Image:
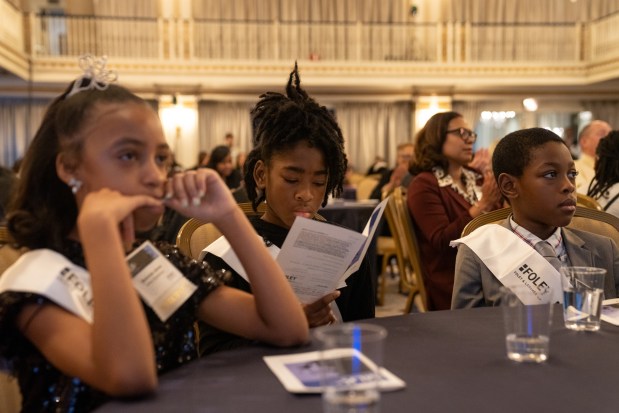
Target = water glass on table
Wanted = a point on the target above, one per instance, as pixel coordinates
(527, 326)
(583, 293)
(351, 357)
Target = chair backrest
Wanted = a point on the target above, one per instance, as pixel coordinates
(585, 219)
(491, 217)
(403, 228)
(195, 235)
(249, 210)
(366, 186)
(598, 222)
(10, 396)
(587, 201)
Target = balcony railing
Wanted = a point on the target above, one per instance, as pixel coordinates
(172, 39)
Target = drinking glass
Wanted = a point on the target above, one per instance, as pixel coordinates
(527, 327)
(351, 356)
(583, 293)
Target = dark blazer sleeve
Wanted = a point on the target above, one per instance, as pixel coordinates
(474, 284)
(588, 249)
(467, 292)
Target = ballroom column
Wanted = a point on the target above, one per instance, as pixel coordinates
(179, 117)
(426, 106)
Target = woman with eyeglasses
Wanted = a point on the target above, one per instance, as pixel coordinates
(444, 196)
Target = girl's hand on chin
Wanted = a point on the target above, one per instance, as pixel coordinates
(200, 194)
(109, 207)
(107, 204)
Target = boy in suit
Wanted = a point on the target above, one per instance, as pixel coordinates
(536, 174)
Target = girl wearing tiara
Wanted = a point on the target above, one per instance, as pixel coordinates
(80, 320)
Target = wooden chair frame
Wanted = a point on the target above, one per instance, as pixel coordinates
(408, 255)
(586, 219)
(587, 201)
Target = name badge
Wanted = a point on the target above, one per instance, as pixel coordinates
(160, 284)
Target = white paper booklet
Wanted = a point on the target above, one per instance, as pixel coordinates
(610, 311)
(316, 256)
(302, 373)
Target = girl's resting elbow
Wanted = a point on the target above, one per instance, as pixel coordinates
(132, 385)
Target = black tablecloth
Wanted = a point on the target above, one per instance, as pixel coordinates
(350, 214)
(452, 361)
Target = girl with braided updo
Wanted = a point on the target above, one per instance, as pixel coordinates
(298, 160)
(605, 185)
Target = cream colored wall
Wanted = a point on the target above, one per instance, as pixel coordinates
(80, 7)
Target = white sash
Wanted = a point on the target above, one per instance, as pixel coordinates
(514, 263)
(52, 275)
(222, 249)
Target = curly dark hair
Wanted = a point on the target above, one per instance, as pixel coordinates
(43, 211)
(513, 153)
(281, 122)
(606, 165)
(429, 143)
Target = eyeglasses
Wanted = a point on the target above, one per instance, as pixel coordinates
(464, 134)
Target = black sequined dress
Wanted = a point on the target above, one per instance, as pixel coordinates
(46, 389)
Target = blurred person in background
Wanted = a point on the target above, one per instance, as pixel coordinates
(221, 161)
(588, 141)
(605, 185)
(444, 196)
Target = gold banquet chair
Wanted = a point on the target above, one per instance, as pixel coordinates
(407, 247)
(366, 186)
(10, 396)
(385, 247)
(587, 201)
(195, 235)
(585, 219)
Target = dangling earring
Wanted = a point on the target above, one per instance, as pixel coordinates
(75, 185)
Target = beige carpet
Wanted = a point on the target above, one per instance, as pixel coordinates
(394, 301)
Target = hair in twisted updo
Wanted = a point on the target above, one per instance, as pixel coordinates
(606, 165)
(283, 121)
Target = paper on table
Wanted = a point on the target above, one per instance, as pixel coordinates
(610, 311)
(301, 373)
